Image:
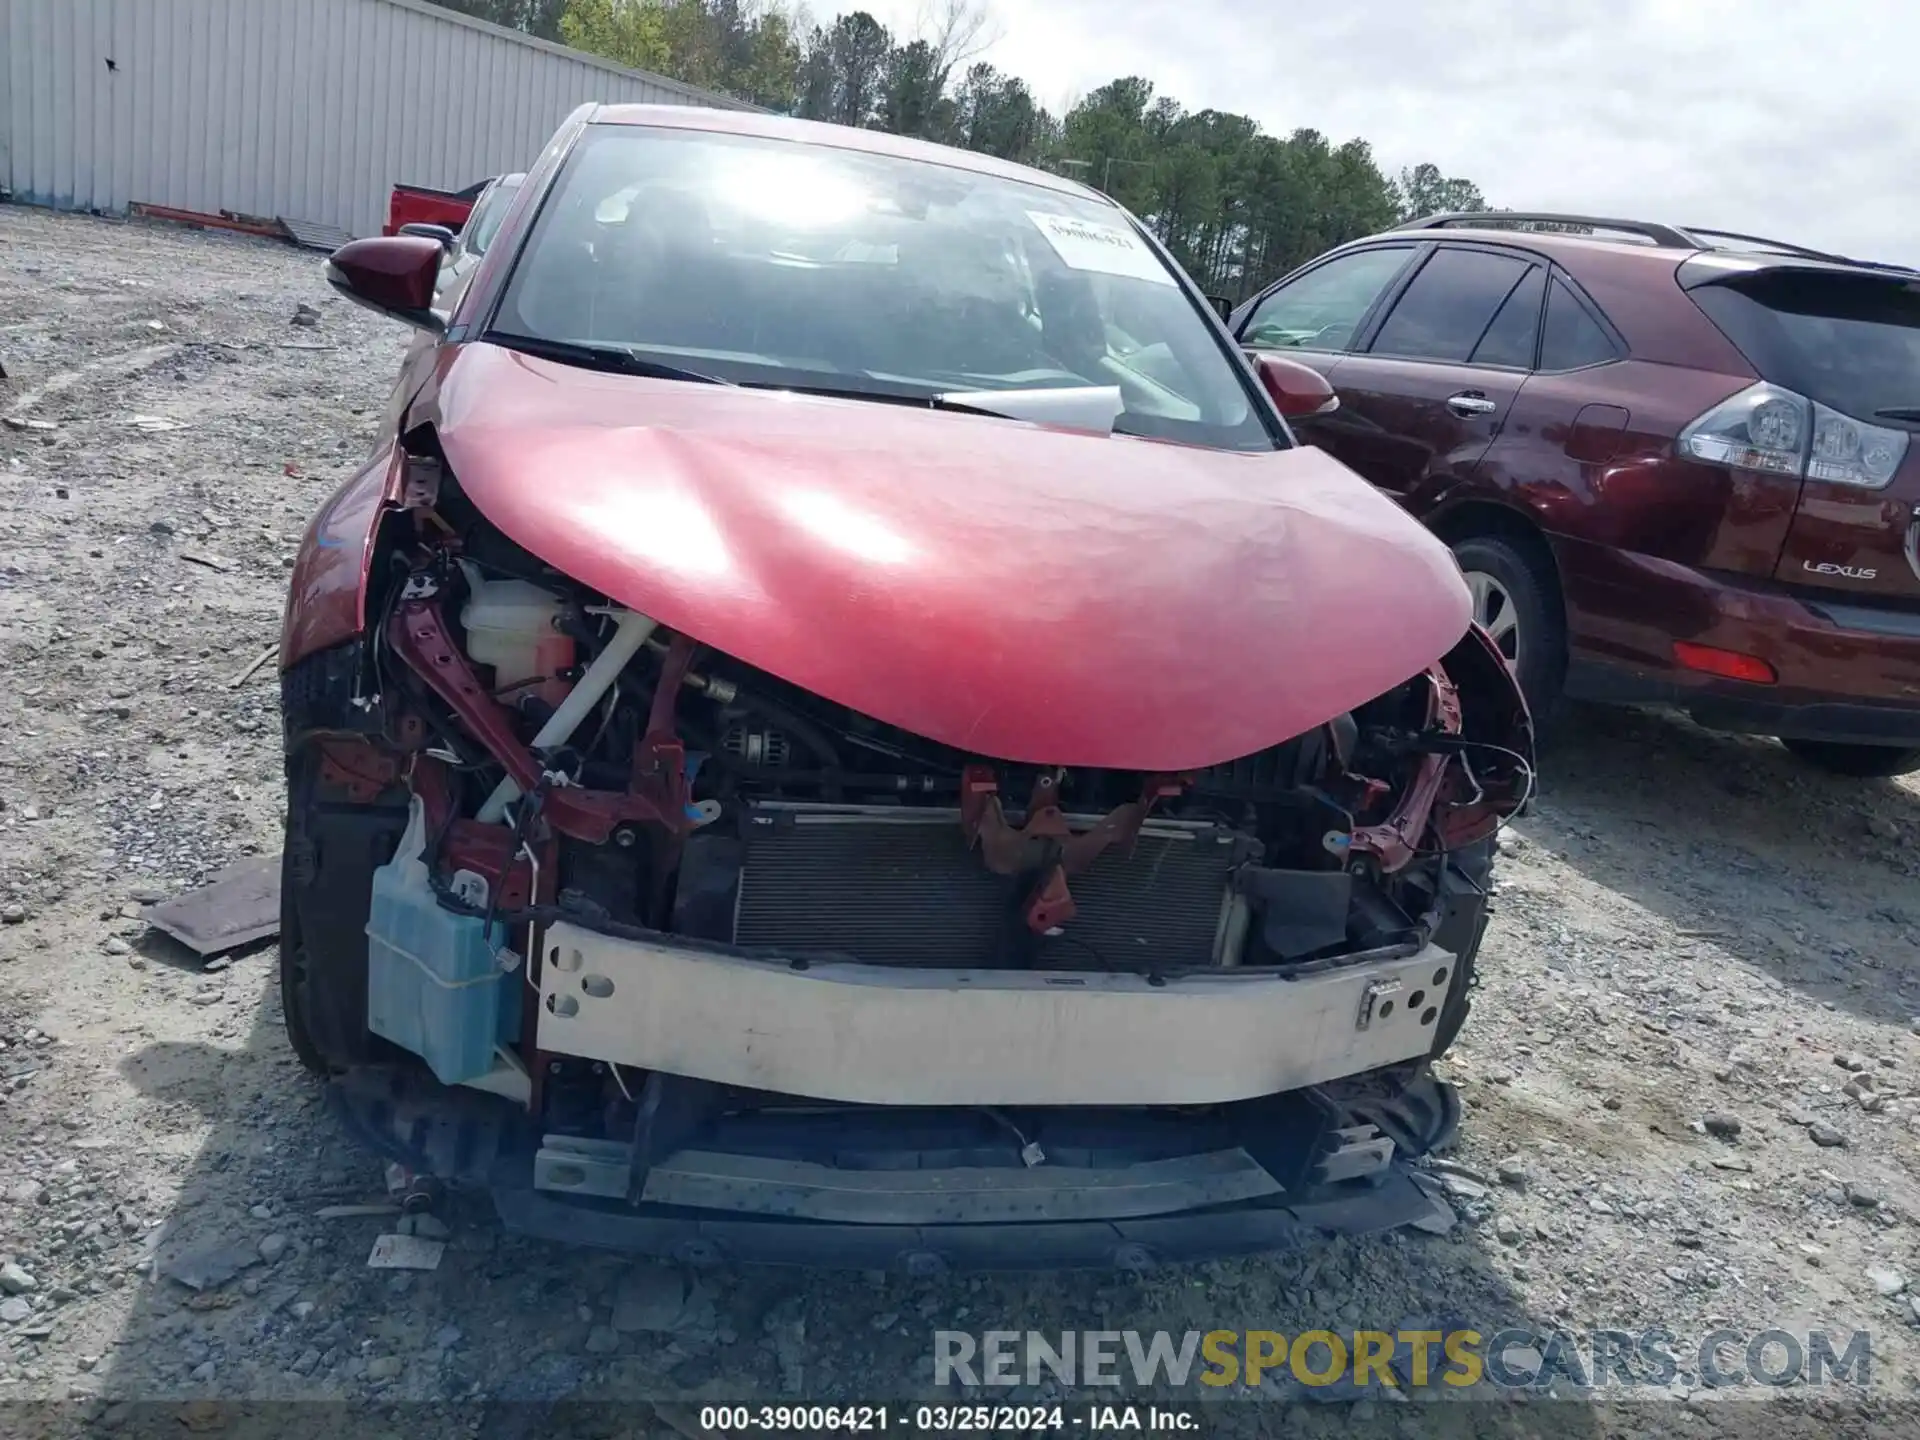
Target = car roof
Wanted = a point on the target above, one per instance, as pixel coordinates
(839, 137)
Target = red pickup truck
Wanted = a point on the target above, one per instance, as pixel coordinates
(419, 205)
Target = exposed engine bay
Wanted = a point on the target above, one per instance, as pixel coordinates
(684, 792)
(598, 806)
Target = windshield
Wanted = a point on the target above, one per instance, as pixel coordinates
(767, 262)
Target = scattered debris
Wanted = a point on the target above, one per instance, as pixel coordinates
(405, 1252)
(247, 674)
(1461, 1188)
(211, 562)
(649, 1297)
(353, 1212)
(201, 1417)
(1887, 1281)
(1723, 1125)
(237, 906)
(424, 1224)
(1441, 1166)
(156, 424)
(22, 422)
(211, 1266)
(1439, 1220)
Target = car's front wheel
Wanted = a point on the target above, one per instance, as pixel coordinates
(1858, 762)
(333, 844)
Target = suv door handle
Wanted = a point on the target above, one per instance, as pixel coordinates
(1470, 402)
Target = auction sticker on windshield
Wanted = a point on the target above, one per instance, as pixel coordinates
(1108, 249)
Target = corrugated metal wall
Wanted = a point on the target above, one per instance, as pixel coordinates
(303, 109)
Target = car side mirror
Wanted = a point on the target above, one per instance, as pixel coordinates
(393, 274)
(1296, 390)
(1222, 306)
(439, 234)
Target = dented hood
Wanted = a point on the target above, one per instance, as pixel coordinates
(1017, 592)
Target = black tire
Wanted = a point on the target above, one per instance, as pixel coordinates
(332, 846)
(1468, 886)
(1526, 575)
(293, 972)
(323, 949)
(1856, 762)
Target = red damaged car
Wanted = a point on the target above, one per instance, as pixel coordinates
(839, 725)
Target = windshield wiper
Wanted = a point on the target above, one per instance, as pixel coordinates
(1898, 412)
(1086, 407)
(615, 359)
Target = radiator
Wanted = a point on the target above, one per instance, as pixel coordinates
(902, 887)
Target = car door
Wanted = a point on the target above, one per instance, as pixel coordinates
(1313, 315)
(1435, 372)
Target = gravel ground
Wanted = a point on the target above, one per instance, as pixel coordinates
(1692, 1078)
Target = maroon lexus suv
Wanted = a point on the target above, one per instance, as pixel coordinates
(1677, 466)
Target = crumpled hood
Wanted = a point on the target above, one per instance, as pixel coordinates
(1016, 592)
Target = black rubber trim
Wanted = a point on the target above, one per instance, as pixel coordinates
(1838, 721)
(699, 1239)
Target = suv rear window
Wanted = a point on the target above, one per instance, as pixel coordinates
(1848, 341)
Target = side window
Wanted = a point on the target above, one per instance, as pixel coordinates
(1572, 337)
(1509, 339)
(1322, 309)
(1449, 305)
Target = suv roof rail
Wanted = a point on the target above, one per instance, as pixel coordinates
(1801, 252)
(1496, 219)
(1785, 247)
(1688, 237)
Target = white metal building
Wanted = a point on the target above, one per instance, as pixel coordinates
(305, 110)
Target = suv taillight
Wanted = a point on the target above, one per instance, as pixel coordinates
(1776, 431)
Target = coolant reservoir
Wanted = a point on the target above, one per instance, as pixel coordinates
(512, 625)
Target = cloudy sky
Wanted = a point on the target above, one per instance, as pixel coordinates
(1777, 117)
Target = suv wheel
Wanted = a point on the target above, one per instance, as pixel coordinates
(1859, 762)
(1516, 600)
